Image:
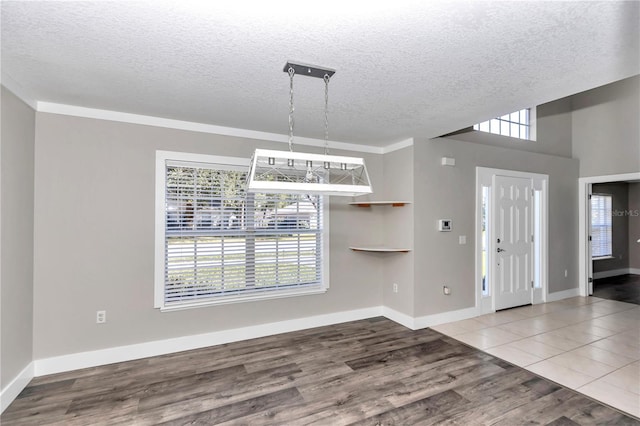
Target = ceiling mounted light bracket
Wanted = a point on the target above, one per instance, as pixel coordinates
(289, 172)
(308, 70)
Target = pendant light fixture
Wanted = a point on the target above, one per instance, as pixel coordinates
(289, 172)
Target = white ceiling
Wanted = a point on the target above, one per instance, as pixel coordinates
(404, 68)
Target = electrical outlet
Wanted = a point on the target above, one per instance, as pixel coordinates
(101, 317)
(395, 287)
(566, 273)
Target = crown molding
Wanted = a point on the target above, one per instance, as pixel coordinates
(124, 117)
(397, 146)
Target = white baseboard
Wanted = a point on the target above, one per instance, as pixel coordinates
(634, 271)
(95, 358)
(565, 294)
(611, 273)
(444, 317)
(13, 389)
(399, 317)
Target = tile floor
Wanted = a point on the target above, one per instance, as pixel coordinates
(588, 344)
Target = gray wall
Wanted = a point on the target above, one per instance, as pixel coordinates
(619, 192)
(16, 236)
(399, 230)
(606, 128)
(94, 240)
(449, 193)
(634, 225)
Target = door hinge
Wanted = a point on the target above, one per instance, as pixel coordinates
(532, 238)
(589, 237)
(590, 279)
(531, 284)
(589, 196)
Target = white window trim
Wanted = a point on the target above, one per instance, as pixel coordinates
(160, 216)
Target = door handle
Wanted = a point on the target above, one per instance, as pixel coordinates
(500, 250)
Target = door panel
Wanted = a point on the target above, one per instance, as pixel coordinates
(513, 228)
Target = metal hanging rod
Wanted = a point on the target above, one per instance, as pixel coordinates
(308, 70)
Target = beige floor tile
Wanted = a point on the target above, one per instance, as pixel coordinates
(536, 348)
(632, 334)
(576, 336)
(471, 324)
(500, 318)
(484, 341)
(600, 355)
(612, 395)
(620, 306)
(499, 333)
(618, 348)
(560, 374)
(563, 343)
(537, 310)
(450, 329)
(591, 328)
(582, 364)
(587, 343)
(571, 316)
(521, 329)
(627, 378)
(606, 309)
(513, 355)
(623, 338)
(536, 325)
(576, 301)
(547, 323)
(616, 324)
(630, 313)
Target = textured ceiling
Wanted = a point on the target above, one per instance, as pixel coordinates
(404, 68)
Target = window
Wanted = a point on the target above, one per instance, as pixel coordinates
(485, 240)
(601, 226)
(215, 243)
(515, 125)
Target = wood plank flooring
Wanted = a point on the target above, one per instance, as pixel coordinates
(623, 288)
(370, 372)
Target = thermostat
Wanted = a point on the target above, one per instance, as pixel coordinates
(444, 225)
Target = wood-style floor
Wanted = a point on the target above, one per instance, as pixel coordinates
(370, 372)
(623, 288)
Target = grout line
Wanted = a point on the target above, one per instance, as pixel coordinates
(568, 307)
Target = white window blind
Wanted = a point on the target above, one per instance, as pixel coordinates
(601, 225)
(222, 244)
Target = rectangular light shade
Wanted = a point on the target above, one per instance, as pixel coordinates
(286, 172)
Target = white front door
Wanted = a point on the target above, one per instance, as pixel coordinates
(512, 234)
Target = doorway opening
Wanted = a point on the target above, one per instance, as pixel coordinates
(609, 222)
(511, 238)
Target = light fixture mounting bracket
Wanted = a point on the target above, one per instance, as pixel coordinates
(308, 70)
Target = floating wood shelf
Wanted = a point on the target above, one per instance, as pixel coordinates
(379, 203)
(381, 249)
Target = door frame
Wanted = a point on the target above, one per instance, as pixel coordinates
(540, 182)
(584, 222)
